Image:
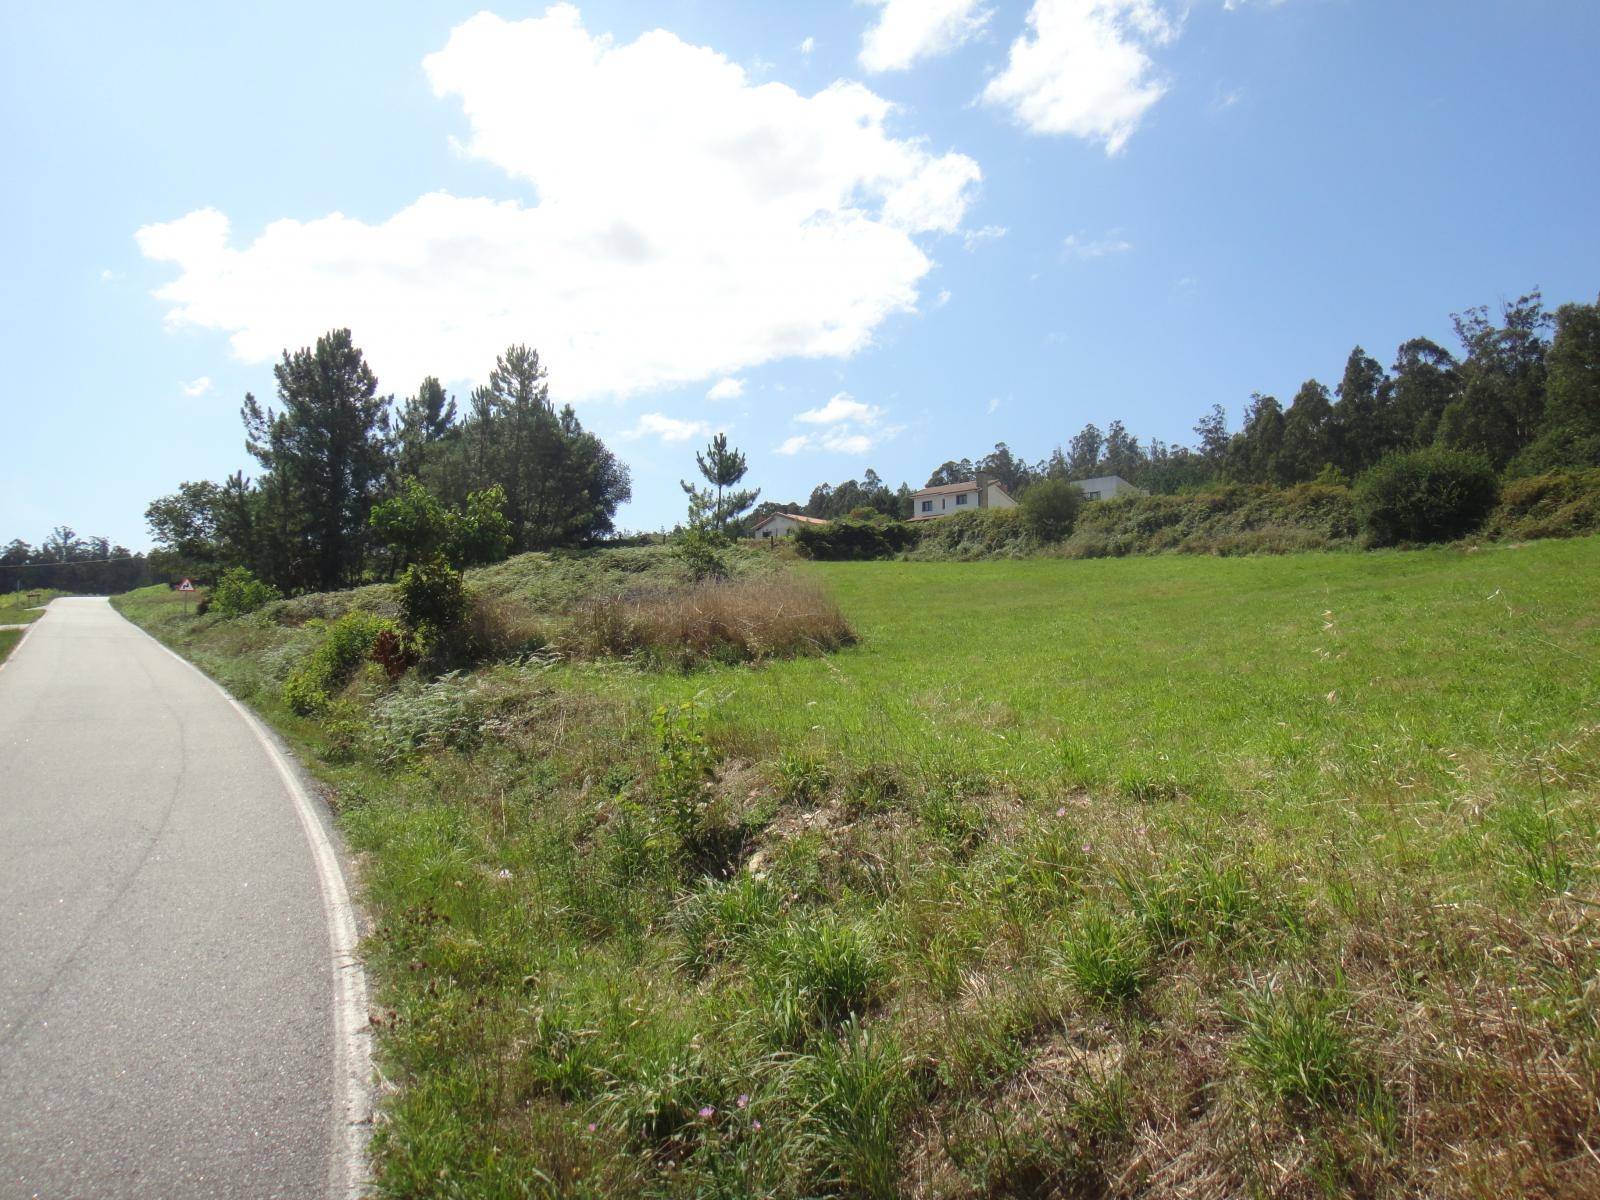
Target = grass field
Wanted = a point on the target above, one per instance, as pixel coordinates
(1145, 877)
(22, 608)
(18, 608)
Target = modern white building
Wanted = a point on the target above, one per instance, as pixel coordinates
(781, 524)
(982, 492)
(1106, 487)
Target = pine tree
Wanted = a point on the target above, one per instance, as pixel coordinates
(717, 506)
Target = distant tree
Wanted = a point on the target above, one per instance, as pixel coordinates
(1122, 454)
(426, 419)
(184, 525)
(1050, 508)
(1570, 433)
(952, 471)
(1364, 426)
(327, 452)
(719, 505)
(16, 554)
(1009, 471)
(1307, 434)
(1254, 451)
(562, 485)
(1500, 407)
(1084, 451)
(1212, 430)
(417, 527)
(1426, 380)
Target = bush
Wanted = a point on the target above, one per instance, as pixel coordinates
(1563, 504)
(1432, 495)
(702, 553)
(433, 598)
(1050, 509)
(746, 620)
(852, 540)
(986, 533)
(348, 643)
(239, 592)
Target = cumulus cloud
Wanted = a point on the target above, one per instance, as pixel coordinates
(807, 46)
(1083, 68)
(668, 429)
(845, 426)
(726, 389)
(197, 387)
(688, 223)
(842, 407)
(1095, 247)
(909, 30)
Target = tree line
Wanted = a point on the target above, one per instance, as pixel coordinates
(353, 484)
(1523, 394)
(70, 563)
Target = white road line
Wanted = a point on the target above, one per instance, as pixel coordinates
(352, 1034)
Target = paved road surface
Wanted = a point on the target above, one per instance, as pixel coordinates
(170, 1020)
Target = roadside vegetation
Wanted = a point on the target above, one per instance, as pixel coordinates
(1162, 876)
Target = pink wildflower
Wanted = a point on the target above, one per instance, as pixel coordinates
(708, 1112)
(744, 1101)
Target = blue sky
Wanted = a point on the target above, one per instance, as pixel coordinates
(905, 231)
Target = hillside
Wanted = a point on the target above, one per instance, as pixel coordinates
(1147, 876)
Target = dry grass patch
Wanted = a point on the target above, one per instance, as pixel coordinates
(726, 621)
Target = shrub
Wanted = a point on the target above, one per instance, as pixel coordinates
(433, 598)
(986, 533)
(1432, 495)
(239, 592)
(1050, 509)
(347, 644)
(1561, 504)
(702, 553)
(774, 616)
(851, 540)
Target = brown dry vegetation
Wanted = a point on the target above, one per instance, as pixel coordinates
(739, 620)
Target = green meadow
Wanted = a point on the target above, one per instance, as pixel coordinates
(1159, 876)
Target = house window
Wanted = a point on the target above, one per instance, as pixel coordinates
(927, 506)
(1094, 495)
(962, 498)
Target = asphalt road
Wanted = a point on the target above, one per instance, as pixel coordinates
(170, 994)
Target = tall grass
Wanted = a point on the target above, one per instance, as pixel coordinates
(728, 621)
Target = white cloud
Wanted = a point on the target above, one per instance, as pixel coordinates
(942, 298)
(994, 405)
(107, 275)
(197, 387)
(989, 233)
(807, 46)
(1101, 247)
(842, 407)
(689, 223)
(908, 30)
(726, 389)
(668, 429)
(848, 427)
(1083, 68)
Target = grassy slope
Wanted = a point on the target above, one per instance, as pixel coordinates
(17, 608)
(1148, 876)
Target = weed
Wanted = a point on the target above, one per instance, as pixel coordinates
(1106, 959)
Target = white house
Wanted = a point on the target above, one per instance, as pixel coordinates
(1106, 487)
(782, 524)
(982, 492)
